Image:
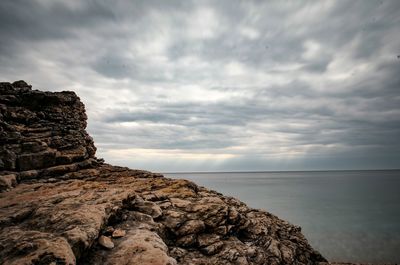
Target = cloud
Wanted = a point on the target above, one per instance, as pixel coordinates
(219, 85)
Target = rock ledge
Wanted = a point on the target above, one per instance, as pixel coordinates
(61, 205)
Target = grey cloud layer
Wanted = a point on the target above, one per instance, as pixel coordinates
(263, 85)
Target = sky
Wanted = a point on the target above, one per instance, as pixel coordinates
(219, 85)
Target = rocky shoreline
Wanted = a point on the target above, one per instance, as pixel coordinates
(59, 204)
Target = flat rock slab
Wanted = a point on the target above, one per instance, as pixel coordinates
(206, 227)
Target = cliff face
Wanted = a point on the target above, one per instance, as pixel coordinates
(61, 205)
(42, 133)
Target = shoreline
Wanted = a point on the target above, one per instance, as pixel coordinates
(276, 171)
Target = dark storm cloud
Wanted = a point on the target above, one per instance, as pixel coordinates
(226, 113)
(39, 20)
(227, 84)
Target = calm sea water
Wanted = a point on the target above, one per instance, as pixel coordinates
(349, 216)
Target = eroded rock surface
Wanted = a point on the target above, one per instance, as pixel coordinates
(61, 205)
(41, 134)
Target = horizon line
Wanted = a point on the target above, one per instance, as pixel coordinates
(277, 171)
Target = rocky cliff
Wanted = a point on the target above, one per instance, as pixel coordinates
(42, 133)
(61, 205)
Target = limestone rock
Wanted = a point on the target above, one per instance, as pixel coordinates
(208, 239)
(39, 130)
(191, 227)
(7, 182)
(25, 246)
(141, 247)
(106, 242)
(118, 233)
(149, 208)
(59, 204)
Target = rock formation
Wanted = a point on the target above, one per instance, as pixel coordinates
(61, 205)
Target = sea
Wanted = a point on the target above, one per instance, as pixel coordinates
(349, 216)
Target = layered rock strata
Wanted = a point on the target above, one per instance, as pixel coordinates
(42, 134)
(62, 205)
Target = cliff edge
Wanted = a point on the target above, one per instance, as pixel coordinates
(61, 205)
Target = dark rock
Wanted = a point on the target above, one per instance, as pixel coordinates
(7, 182)
(36, 160)
(212, 249)
(21, 84)
(41, 129)
(9, 159)
(186, 241)
(109, 230)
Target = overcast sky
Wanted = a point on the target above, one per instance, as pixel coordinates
(219, 85)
